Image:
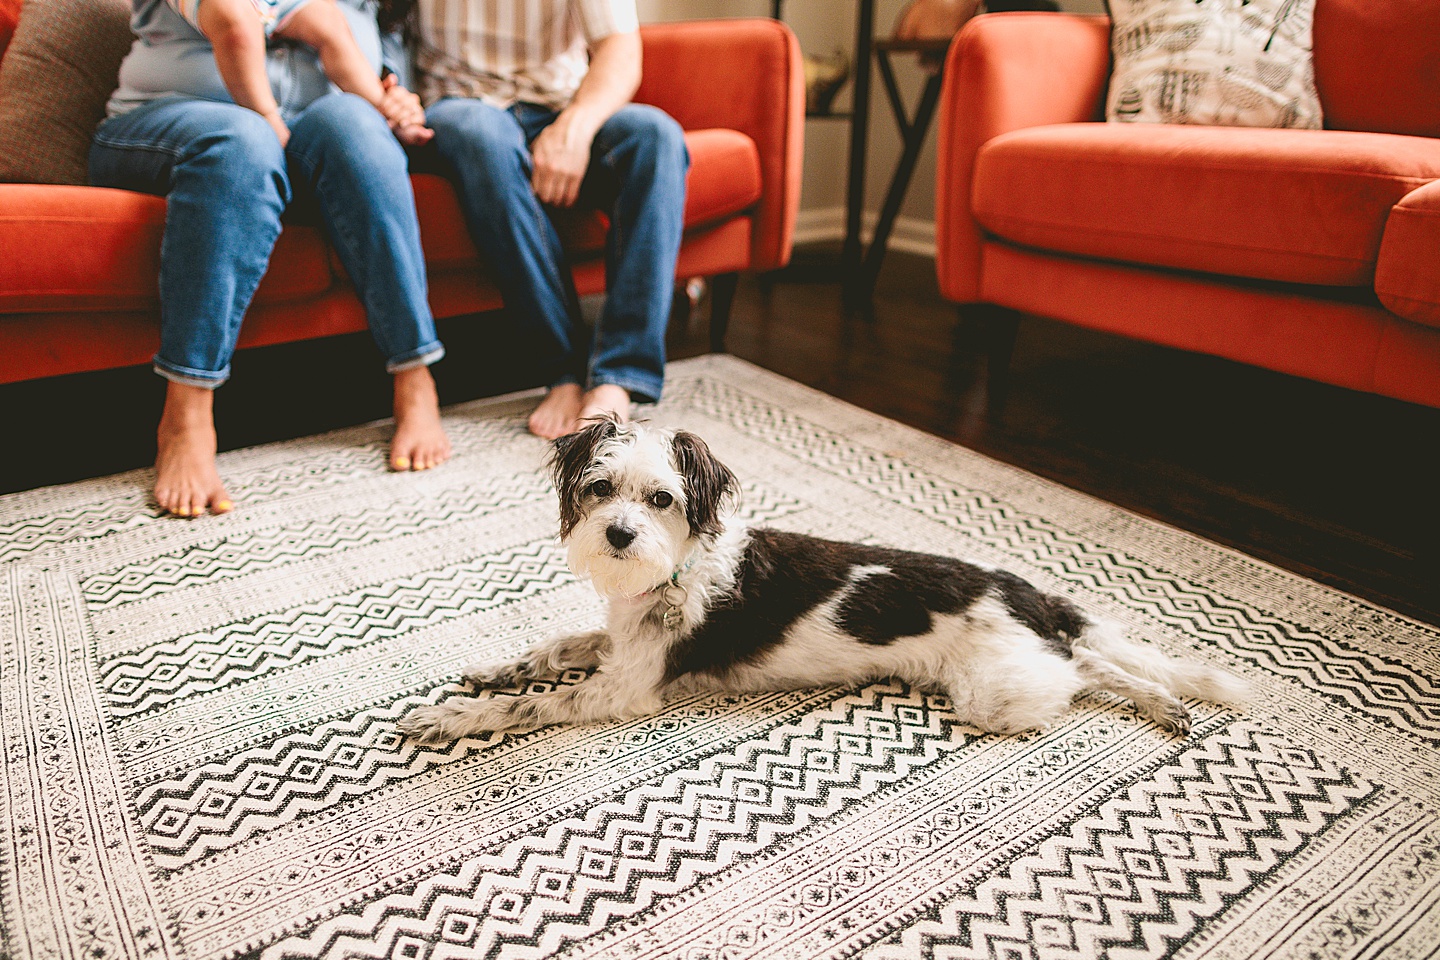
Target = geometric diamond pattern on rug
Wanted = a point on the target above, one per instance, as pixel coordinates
(31, 533)
(308, 539)
(154, 678)
(198, 729)
(1145, 870)
(528, 897)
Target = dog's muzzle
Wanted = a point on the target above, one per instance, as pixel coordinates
(620, 536)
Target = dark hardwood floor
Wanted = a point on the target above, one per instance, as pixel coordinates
(1334, 485)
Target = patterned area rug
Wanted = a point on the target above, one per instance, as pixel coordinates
(200, 755)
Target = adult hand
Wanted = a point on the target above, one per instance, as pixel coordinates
(402, 111)
(561, 155)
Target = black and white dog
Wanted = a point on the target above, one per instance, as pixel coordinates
(698, 603)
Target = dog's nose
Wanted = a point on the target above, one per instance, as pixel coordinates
(619, 537)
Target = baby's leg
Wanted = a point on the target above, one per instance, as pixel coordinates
(320, 25)
(237, 37)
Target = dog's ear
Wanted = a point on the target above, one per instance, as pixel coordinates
(570, 459)
(708, 482)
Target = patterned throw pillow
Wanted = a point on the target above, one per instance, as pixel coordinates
(1233, 63)
(60, 68)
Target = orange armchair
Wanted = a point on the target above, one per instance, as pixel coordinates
(1311, 252)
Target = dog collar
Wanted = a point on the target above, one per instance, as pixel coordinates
(674, 595)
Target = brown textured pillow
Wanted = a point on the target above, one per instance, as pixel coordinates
(58, 71)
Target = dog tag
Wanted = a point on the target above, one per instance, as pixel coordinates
(674, 596)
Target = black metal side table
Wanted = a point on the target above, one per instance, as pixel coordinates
(912, 130)
(851, 253)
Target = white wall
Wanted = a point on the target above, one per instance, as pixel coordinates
(824, 26)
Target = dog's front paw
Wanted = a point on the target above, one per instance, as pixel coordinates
(495, 673)
(435, 723)
(467, 717)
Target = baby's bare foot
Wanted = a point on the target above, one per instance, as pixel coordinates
(187, 483)
(420, 442)
(414, 134)
(558, 413)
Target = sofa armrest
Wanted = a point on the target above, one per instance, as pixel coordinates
(745, 75)
(1006, 71)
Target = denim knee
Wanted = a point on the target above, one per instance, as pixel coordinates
(243, 160)
(653, 140)
(345, 128)
(472, 135)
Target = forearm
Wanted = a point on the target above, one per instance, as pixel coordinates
(610, 83)
(238, 40)
(321, 26)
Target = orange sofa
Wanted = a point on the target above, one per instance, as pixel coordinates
(1311, 252)
(78, 265)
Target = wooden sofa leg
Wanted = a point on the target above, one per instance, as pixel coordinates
(1002, 326)
(722, 296)
(994, 330)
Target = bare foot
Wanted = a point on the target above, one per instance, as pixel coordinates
(606, 399)
(420, 442)
(559, 413)
(187, 484)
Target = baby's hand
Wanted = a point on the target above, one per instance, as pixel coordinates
(414, 134)
(278, 125)
(402, 110)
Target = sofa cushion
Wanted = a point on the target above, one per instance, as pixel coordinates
(99, 249)
(1376, 65)
(1241, 63)
(1407, 274)
(60, 68)
(1301, 206)
(724, 179)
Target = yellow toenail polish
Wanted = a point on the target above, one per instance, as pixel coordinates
(224, 505)
(402, 463)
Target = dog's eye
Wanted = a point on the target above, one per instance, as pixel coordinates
(601, 489)
(661, 499)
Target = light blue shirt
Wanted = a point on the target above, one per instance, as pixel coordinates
(171, 57)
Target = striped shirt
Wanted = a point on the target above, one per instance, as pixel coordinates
(504, 51)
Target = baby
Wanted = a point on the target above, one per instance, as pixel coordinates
(237, 30)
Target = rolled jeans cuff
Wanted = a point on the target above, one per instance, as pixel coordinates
(423, 357)
(642, 388)
(204, 379)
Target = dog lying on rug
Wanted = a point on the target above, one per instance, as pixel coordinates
(698, 603)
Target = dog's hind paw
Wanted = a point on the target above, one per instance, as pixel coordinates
(1172, 717)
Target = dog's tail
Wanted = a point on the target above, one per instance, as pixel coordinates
(1183, 678)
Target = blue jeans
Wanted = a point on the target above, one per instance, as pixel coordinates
(637, 174)
(227, 181)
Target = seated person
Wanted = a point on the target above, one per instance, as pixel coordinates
(530, 104)
(175, 131)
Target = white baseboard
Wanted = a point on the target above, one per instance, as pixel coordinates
(909, 234)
